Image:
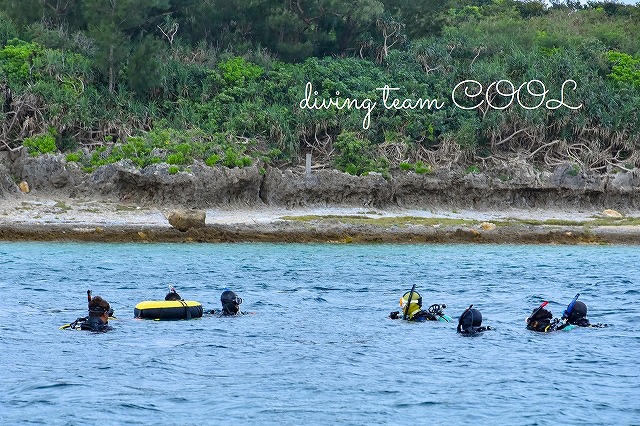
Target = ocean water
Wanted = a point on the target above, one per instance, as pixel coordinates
(318, 347)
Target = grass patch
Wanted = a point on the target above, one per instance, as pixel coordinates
(62, 206)
(384, 221)
(601, 221)
(435, 221)
(536, 222)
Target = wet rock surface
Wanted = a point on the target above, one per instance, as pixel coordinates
(323, 232)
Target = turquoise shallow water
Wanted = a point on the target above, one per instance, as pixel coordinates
(319, 348)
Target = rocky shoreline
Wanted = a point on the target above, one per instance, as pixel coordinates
(320, 232)
(119, 202)
(33, 219)
(515, 185)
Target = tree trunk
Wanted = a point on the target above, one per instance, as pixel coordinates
(112, 82)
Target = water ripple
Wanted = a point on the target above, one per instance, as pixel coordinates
(320, 348)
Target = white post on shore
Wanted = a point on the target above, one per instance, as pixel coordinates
(308, 164)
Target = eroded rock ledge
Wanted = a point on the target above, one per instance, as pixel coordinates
(518, 185)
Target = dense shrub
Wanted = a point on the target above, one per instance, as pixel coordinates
(196, 83)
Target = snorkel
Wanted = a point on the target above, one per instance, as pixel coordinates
(535, 312)
(405, 310)
(459, 329)
(567, 312)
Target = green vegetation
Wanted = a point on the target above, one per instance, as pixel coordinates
(625, 68)
(419, 167)
(605, 221)
(575, 169)
(435, 221)
(73, 157)
(357, 156)
(173, 147)
(62, 206)
(384, 221)
(473, 169)
(179, 81)
(41, 144)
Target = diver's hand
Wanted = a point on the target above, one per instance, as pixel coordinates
(394, 315)
(559, 324)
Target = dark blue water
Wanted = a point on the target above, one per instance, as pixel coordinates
(319, 349)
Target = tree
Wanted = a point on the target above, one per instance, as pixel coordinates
(422, 18)
(60, 12)
(22, 12)
(113, 24)
(299, 29)
(145, 67)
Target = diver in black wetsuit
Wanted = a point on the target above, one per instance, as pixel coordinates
(542, 320)
(230, 305)
(98, 319)
(578, 316)
(414, 312)
(172, 295)
(470, 322)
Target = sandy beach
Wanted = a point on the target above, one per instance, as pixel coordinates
(31, 218)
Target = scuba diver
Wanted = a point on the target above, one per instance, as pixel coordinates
(230, 305)
(98, 320)
(411, 304)
(542, 320)
(574, 316)
(578, 316)
(99, 313)
(470, 322)
(172, 295)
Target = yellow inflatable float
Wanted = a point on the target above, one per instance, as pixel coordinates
(168, 309)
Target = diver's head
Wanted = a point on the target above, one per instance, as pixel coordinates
(543, 315)
(470, 319)
(172, 295)
(230, 302)
(98, 307)
(414, 306)
(579, 311)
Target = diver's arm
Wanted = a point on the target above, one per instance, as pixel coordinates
(598, 325)
(554, 325)
(541, 327)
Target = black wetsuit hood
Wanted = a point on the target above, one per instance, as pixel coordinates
(470, 322)
(578, 315)
(230, 303)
